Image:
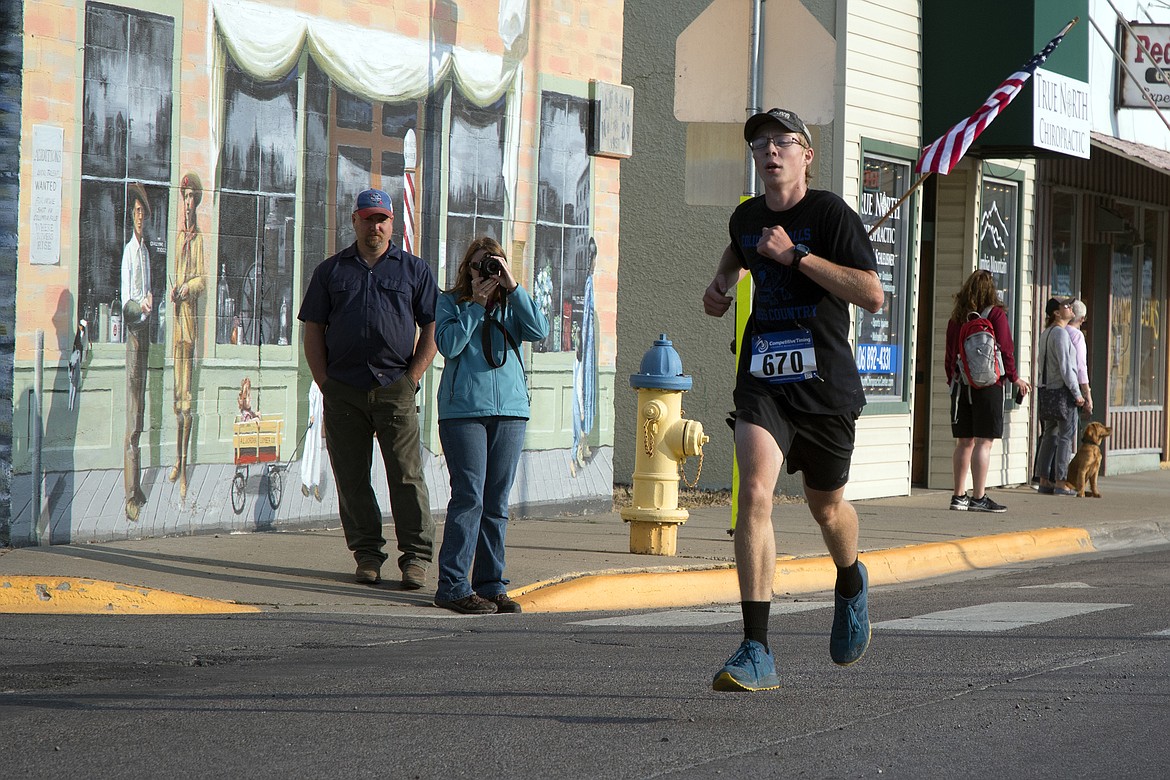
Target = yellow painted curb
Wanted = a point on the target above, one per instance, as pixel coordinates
(77, 596)
(693, 587)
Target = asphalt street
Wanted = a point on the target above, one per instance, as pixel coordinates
(1045, 669)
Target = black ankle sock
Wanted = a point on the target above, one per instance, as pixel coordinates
(849, 581)
(755, 620)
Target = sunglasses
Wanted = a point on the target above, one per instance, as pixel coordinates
(779, 141)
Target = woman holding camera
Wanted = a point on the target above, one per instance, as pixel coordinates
(483, 411)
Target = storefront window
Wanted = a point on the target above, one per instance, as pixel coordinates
(999, 237)
(1150, 360)
(1064, 242)
(1135, 322)
(880, 359)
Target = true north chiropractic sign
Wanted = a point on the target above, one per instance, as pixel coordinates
(1060, 114)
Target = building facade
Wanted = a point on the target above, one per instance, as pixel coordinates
(477, 118)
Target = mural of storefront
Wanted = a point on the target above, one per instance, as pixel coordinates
(184, 167)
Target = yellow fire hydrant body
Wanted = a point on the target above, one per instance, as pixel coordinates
(665, 441)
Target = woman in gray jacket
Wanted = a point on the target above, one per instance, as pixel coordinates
(1059, 389)
(483, 412)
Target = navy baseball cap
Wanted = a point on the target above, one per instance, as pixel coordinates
(370, 202)
(787, 119)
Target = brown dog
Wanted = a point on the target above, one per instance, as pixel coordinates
(1082, 471)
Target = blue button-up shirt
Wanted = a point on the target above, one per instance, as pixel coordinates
(370, 314)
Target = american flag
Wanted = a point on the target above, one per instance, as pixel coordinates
(945, 153)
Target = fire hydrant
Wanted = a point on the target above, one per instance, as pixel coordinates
(665, 441)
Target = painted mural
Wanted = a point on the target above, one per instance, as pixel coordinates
(11, 55)
(210, 163)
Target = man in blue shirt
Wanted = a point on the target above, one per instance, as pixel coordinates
(369, 332)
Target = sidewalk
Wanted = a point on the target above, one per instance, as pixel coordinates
(581, 563)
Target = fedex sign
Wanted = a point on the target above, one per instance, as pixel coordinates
(1147, 56)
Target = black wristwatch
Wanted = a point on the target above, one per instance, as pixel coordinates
(799, 252)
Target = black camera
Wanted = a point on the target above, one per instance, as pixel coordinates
(492, 266)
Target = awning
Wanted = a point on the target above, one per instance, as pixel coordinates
(374, 64)
(1149, 156)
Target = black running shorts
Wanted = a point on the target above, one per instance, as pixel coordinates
(818, 445)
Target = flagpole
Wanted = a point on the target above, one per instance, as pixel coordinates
(964, 133)
(901, 200)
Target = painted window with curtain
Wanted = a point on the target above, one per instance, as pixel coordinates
(564, 204)
(126, 138)
(258, 165)
(370, 143)
(476, 195)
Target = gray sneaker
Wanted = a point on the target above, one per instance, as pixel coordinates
(960, 503)
(985, 504)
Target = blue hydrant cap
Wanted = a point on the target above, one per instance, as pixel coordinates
(661, 368)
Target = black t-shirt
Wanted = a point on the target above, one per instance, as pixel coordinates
(786, 301)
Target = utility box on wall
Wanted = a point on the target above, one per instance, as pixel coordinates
(612, 130)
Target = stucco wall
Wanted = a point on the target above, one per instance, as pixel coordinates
(669, 249)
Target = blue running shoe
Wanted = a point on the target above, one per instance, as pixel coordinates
(851, 629)
(750, 668)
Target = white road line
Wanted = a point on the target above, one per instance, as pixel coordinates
(1069, 585)
(698, 617)
(1164, 632)
(997, 616)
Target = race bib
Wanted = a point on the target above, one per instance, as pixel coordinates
(786, 356)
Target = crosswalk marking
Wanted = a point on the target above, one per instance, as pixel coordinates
(997, 616)
(711, 616)
(1057, 585)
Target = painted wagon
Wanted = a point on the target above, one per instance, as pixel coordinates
(256, 442)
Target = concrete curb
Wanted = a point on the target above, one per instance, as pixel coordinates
(77, 596)
(650, 588)
(1138, 534)
(695, 587)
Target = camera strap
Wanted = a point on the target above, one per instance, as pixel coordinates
(491, 323)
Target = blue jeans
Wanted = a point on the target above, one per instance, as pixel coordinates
(482, 454)
(1056, 447)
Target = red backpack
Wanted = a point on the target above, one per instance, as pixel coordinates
(980, 363)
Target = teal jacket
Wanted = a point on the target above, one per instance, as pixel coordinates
(470, 387)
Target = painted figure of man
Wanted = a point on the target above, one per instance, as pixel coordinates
(137, 303)
(189, 285)
(585, 370)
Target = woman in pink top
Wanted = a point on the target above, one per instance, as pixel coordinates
(1079, 312)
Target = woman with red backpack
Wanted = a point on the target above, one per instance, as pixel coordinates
(976, 399)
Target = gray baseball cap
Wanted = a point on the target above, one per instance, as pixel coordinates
(787, 119)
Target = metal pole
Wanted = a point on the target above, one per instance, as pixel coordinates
(753, 107)
(35, 436)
